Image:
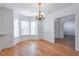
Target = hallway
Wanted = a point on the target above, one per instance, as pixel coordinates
(38, 48)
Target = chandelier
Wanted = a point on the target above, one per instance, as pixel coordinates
(39, 16)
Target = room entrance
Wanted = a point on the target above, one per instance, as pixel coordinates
(65, 31)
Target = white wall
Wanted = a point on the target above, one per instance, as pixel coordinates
(56, 29)
(6, 28)
(0, 28)
(48, 29)
(59, 28)
(40, 30)
(69, 25)
(72, 10)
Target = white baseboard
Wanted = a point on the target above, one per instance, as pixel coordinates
(7, 47)
(77, 50)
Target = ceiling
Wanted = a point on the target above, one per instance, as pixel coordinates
(29, 9)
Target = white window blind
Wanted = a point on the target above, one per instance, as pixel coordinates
(24, 28)
(33, 28)
(16, 28)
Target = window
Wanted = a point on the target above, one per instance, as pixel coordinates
(24, 28)
(33, 28)
(16, 28)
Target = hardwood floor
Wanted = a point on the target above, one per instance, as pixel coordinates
(38, 48)
(67, 41)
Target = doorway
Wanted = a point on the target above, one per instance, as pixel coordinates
(65, 31)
